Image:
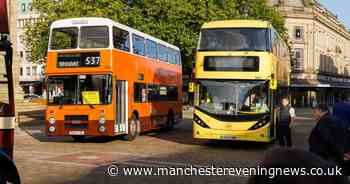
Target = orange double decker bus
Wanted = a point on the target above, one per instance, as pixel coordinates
(106, 79)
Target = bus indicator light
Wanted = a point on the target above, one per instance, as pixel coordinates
(52, 120)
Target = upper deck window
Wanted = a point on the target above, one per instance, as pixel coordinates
(94, 37)
(138, 45)
(151, 49)
(121, 39)
(234, 39)
(162, 53)
(64, 38)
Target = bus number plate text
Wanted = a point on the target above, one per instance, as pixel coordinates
(76, 133)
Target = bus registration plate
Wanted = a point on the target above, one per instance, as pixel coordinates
(76, 132)
(227, 137)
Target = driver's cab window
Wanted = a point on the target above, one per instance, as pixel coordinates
(4, 98)
(256, 100)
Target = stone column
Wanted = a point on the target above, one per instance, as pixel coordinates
(12, 11)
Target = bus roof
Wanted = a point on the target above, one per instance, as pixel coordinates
(96, 21)
(237, 23)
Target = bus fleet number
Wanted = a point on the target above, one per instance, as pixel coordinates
(92, 61)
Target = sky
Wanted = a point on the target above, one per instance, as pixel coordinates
(339, 8)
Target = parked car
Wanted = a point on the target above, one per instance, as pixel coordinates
(30, 97)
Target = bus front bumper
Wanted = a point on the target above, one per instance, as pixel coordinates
(259, 135)
(84, 128)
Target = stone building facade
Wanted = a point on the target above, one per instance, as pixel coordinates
(321, 52)
(31, 73)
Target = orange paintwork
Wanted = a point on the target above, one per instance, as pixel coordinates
(123, 66)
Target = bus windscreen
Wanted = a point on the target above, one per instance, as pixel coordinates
(234, 39)
(94, 37)
(80, 89)
(64, 38)
(89, 37)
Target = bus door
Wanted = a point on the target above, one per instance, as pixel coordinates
(121, 107)
(272, 90)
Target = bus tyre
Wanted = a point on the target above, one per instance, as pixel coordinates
(78, 138)
(133, 129)
(171, 121)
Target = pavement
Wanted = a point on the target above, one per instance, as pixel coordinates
(60, 160)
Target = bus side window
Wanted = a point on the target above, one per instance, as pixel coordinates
(121, 39)
(172, 56)
(162, 53)
(178, 57)
(138, 45)
(151, 49)
(140, 93)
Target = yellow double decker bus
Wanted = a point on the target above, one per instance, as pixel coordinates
(242, 69)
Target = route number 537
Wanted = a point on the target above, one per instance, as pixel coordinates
(92, 61)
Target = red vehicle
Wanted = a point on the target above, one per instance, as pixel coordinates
(8, 171)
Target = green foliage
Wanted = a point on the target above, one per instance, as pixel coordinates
(175, 21)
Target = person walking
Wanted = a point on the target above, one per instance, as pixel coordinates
(285, 116)
(341, 112)
(327, 139)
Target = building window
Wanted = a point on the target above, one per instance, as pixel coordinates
(34, 70)
(28, 71)
(21, 54)
(299, 33)
(298, 59)
(30, 7)
(21, 71)
(28, 56)
(23, 7)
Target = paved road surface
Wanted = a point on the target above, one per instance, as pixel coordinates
(62, 161)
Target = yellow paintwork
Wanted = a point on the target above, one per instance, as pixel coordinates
(236, 23)
(224, 130)
(271, 67)
(266, 66)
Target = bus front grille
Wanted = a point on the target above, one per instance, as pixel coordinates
(76, 126)
(76, 118)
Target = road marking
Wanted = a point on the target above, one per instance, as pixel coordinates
(88, 157)
(162, 163)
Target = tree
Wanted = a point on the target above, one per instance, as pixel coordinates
(175, 21)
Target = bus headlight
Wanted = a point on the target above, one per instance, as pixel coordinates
(200, 122)
(52, 120)
(52, 129)
(102, 129)
(102, 121)
(259, 124)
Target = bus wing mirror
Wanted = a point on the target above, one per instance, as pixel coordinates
(273, 84)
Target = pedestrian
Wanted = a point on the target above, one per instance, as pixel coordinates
(327, 139)
(341, 111)
(285, 116)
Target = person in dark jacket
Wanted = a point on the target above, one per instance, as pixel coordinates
(327, 139)
(285, 117)
(341, 111)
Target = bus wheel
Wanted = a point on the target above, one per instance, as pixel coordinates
(78, 138)
(171, 121)
(133, 129)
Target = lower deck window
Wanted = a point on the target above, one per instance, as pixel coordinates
(154, 93)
